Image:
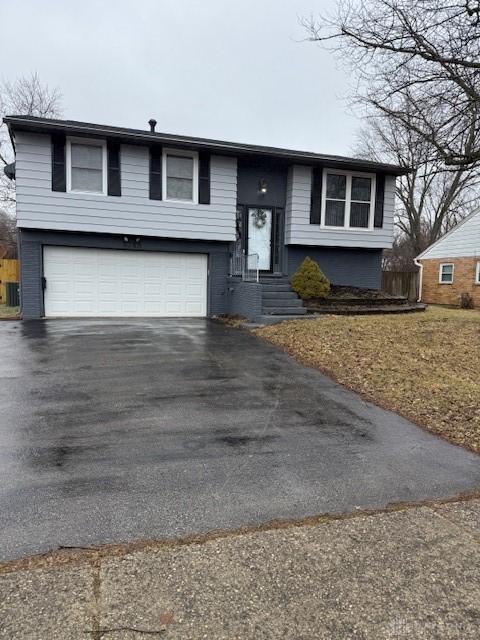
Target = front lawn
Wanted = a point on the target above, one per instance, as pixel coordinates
(425, 366)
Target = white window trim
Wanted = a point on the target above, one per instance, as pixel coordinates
(93, 142)
(348, 200)
(477, 274)
(446, 264)
(183, 154)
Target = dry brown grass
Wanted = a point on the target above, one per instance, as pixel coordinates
(425, 366)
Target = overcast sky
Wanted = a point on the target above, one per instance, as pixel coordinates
(227, 69)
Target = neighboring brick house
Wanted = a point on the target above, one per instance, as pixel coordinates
(451, 266)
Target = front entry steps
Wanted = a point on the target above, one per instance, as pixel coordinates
(279, 301)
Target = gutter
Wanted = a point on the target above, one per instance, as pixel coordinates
(420, 284)
(45, 125)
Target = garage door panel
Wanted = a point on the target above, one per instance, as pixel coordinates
(101, 282)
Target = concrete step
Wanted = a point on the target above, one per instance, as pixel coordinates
(276, 287)
(278, 295)
(279, 311)
(275, 302)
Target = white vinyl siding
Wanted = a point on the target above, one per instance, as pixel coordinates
(463, 241)
(298, 229)
(110, 283)
(38, 207)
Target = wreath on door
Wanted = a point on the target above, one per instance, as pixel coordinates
(259, 218)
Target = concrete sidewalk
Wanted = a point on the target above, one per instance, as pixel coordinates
(411, 573)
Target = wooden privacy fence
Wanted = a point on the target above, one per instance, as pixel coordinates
(401, 283)
(9, 272)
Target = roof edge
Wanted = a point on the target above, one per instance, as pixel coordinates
(445, 235)
(33, 123)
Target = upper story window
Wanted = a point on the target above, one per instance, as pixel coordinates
(180, 175)
(446, 273)
(477, 274)
(348, 200)
(86, 166)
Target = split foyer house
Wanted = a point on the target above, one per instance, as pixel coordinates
(124, 222)
(450, 267)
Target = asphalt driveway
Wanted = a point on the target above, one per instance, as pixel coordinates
(117, 430)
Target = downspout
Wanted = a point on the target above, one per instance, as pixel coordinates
(420, 283)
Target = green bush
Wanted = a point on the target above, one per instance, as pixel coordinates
(309, 281)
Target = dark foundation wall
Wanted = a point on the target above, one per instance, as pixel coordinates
(31, 244)
(349, 267)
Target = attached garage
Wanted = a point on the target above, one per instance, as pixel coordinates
(85, 282)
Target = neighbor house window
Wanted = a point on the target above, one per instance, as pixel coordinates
(348, 200)
(87, 166)
(446, 273)
(180, 175)
(477, 274)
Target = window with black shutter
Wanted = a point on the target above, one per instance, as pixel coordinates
(155, 173)
(114, 172)
(59, 171)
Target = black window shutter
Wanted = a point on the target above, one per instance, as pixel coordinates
(316, 197)
(155, 173)
(114, 173)
(204, 178)
(59, 174)
(379, 199)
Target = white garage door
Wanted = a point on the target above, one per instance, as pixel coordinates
(103, 282)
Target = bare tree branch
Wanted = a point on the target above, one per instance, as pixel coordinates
(430, 198)
(424, 53)
(23, 96)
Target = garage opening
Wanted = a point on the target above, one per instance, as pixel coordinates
(113, 283)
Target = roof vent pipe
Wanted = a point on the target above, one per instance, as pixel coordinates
(153, 123)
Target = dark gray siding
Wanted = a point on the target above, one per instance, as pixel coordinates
(249, 173)
(31, 271)
(350, 267)
(31, 251)
(244, 298)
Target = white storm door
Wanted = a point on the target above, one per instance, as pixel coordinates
(260, 236)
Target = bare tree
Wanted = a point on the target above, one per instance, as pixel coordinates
(28, 96)
(8, 236)
(424, 53)
(430, 200)
(400, 257)
(24, 96)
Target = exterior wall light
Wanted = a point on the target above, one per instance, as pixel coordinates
(262, 186)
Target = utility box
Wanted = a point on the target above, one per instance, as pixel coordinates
(12, 297)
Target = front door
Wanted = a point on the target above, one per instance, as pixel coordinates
(260, 227)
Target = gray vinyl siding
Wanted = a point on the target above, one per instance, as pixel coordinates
(31, 254)
(39, 207)
(298, 229)
(342, 266)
